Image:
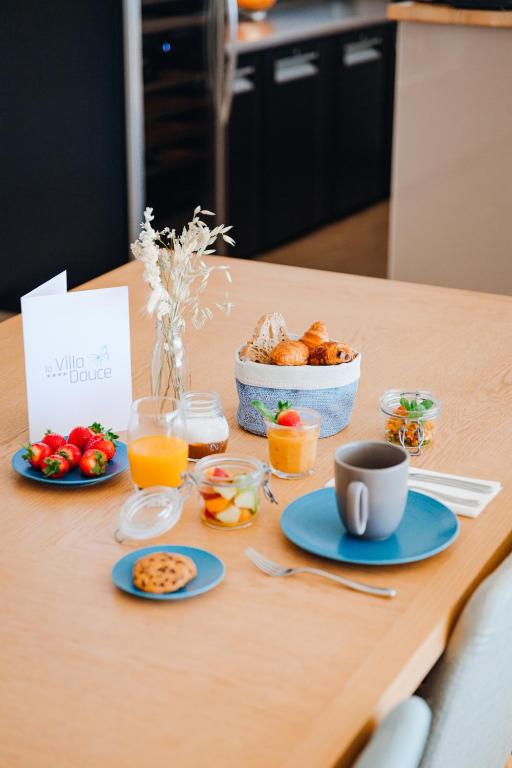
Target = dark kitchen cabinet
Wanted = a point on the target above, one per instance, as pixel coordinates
(293, 160)
(309, 137)
(363, 66)
(244, 177)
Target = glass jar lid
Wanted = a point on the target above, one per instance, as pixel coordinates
(413, 404)
(149, 512)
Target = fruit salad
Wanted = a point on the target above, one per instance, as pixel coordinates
(229, 499)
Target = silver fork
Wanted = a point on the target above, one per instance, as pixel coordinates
(446, 496)
(274, 569)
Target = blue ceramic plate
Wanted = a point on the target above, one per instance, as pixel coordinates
(312, 522)
(210, 572)
(74, 477)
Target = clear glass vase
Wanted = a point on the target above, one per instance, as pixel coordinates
(170, 370)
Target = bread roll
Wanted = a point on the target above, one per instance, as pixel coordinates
(315, 335)
(331, 353)
(290, 353)
(270, 330)
(254, 354)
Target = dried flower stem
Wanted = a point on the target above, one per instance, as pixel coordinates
(177, 274)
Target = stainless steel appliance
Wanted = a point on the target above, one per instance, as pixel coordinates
(189, 64)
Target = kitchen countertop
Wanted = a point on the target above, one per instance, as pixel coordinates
(305, 19)
(433, 13)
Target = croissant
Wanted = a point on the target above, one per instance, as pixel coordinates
(331, 353)
(315, 335)
(290, 353)
(254, 354)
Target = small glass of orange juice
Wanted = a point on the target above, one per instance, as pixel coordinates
(157, 451)
(293, 449)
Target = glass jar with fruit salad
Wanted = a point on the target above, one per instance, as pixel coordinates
(410, 418)
(230, 490)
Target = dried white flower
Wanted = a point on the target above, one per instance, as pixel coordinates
(175, 270)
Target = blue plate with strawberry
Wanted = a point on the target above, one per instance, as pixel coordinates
(89, 455)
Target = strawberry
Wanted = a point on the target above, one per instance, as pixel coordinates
(79, 436)
(218, 472)
(100, 431)
(53, 440)
(101, 444)
(35, 453)
(289, 418)
(71, 453)
(55, 466)
(93, 463)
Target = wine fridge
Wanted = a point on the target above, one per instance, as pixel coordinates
(189, 63)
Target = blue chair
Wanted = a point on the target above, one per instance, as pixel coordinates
(469, 693)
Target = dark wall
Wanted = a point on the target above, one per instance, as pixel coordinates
(62, 142)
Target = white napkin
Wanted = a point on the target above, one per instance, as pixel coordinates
(430, 488)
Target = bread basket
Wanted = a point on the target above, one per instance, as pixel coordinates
(329, 389)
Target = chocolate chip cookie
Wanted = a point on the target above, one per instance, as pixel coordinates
(162, 572)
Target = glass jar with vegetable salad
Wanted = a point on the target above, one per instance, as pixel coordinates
(410, 418)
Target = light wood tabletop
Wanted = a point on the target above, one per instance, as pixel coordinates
(260, 672)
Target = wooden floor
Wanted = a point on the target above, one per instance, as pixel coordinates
(357, 245)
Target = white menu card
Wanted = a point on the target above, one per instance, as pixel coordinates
(77, 357)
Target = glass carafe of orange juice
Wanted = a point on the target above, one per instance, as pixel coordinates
(157, 451)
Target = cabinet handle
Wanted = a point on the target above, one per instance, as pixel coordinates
(362, 52)
(243, 82)
(296, 67)
(242, 85)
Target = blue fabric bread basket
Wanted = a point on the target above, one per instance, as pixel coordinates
(329, 389)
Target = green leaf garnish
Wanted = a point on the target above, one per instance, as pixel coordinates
(265, 412)
(416, 406)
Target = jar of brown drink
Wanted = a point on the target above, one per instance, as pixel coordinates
(207, 430)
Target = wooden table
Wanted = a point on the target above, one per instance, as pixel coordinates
(258, 673)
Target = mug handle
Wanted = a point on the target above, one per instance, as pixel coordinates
(357, 508)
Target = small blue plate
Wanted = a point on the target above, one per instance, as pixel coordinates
(210, 572)
(74, 477)
(312, 522)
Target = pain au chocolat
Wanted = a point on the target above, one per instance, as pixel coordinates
(331, 353)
